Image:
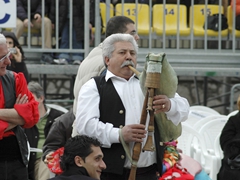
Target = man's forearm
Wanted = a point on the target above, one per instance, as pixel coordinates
(11, 116)
(10, 126)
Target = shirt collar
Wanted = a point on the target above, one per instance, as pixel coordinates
(110, 75)
(47, 113)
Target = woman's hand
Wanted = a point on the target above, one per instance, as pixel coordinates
(18, 55)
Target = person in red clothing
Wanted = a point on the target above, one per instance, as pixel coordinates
(237, 6)
(18, 109)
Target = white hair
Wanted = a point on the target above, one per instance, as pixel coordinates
(108, 44)
(2, 39)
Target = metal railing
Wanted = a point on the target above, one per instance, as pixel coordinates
(190, 43)
(189, 55)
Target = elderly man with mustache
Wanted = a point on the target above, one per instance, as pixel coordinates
(109, 102)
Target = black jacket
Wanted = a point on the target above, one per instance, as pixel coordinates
(78, 15)
(60, 132)
(17, 66)
(33, 137)
(74, 173)
(22, 8)
(230, 144)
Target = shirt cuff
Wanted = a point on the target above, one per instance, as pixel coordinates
(114, 135)
(173, 108)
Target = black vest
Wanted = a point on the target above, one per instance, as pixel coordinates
(112, 111)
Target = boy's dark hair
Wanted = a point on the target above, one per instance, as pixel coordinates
(79, 145)
(117, 24)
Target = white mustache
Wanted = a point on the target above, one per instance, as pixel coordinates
(127, 63)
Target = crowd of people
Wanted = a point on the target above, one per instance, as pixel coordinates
(63, 25)
(105, 115)
(49, 21)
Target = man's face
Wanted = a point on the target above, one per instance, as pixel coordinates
(131, 29)
(124, 51)
(94, 163)
(39, 100)
(4, 60)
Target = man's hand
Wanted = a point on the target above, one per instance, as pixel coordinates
(133, 133)
(21, 99)
(38, 18)
(48, 158)
(25, 23)
(161, 103)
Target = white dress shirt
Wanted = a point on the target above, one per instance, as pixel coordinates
(87, 116)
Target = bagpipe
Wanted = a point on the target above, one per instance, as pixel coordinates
(157, 78)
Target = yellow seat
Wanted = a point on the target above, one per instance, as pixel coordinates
(129, 10)
(34, 31)
(199, 19)
(230, 22)
(103, 11)
(171, 20)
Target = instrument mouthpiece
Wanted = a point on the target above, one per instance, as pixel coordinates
(134, 70)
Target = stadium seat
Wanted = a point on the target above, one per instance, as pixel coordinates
(103, 10)
(34, 32)
(198, 18)
(129, 10)
(230, 22)
(171, 20)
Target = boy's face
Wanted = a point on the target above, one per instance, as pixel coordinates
(131, 29)
(94, 163)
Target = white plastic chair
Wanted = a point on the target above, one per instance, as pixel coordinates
(58, 107)
(232, 113)
(197, 126)
(205, 120)
(186, 139)
(204, 108)
(210, 131)
(200, 154)
(218, 151)
(183, 139)
(197, 113)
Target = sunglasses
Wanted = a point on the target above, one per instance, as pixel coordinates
(6, 56)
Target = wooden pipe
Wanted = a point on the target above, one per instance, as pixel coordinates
(134, 70)
(137, 148)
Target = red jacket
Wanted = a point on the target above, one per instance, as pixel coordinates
(29, 111)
